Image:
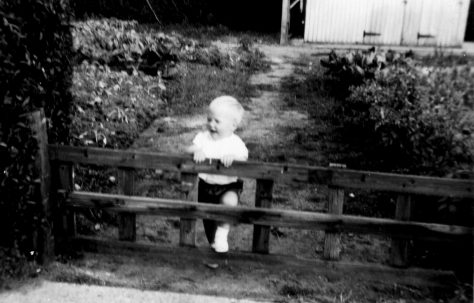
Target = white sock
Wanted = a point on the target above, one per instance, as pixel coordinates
(220, 239)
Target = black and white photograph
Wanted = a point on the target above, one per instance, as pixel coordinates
(272, 151)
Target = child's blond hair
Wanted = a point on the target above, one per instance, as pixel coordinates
(236, 109)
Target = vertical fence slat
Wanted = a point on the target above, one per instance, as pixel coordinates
(45, 239)
(187, 229)
(332, 241)
(127, 227)
(399, 248)
(66, 182)
(65, 219)
(263, 198)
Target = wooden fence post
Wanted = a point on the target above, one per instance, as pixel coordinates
(68, 217)
(285, 21)
(332, 241)
(263, 198)
(127, 227)
(399, 249)
(44, 238)
(187, 227)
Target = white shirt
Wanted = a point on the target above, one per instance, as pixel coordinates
(216, 149)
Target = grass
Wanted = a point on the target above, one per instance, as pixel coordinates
(15, 269)
(199, 84)
(308, 91)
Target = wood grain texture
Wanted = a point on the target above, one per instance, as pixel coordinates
(187, 227)
(270, 217)
(285, 21)
(332, 241)
(399, 251)
(284, 173)
(64, 218)
(127, 223)
(263, 199)
(44, 236)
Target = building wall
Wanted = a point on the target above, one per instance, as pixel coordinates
(388, 22)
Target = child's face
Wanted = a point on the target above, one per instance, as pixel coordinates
(220, 122)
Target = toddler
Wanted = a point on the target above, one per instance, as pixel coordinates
(218, 141)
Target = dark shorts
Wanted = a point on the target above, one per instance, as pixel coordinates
(212, 193)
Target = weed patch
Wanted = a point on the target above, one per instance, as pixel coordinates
(16, 268)
(295, 290)
(200, 83)
(413, 115)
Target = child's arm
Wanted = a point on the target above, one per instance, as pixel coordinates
(240, 153)
(198, 154)
(191, 149)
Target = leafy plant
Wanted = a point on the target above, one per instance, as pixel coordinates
(417, 122)
(35, 72)
(15, 266)
(112, 107)
(124, 45)
(355, 67)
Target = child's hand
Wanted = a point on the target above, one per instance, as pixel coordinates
(199, 156)
(227, 160)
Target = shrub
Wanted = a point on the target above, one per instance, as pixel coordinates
(355, 67)
(15, 267)
(35, 72)
(112, 107)
(121, 45)
(417, 120)
(125, 45)
(417, 117)
(412, 115)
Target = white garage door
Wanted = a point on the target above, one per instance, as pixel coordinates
(410, 22)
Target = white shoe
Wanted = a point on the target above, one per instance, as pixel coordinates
(220, 244)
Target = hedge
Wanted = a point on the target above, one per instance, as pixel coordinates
(35, 72)
(415, 115)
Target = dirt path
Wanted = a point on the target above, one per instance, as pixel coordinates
(266, 116)
(263, 115)
(269, 130)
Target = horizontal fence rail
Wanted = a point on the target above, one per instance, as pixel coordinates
(344, 178)
(270, 217)
(62, 203)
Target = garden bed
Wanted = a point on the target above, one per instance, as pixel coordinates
(424, 95)
(127, 75)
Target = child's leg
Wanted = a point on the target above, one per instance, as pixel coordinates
(210, 226)
(229, 198)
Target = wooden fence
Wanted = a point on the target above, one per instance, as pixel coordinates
(65, 200)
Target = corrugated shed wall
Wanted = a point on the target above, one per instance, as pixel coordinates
(390, 22)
